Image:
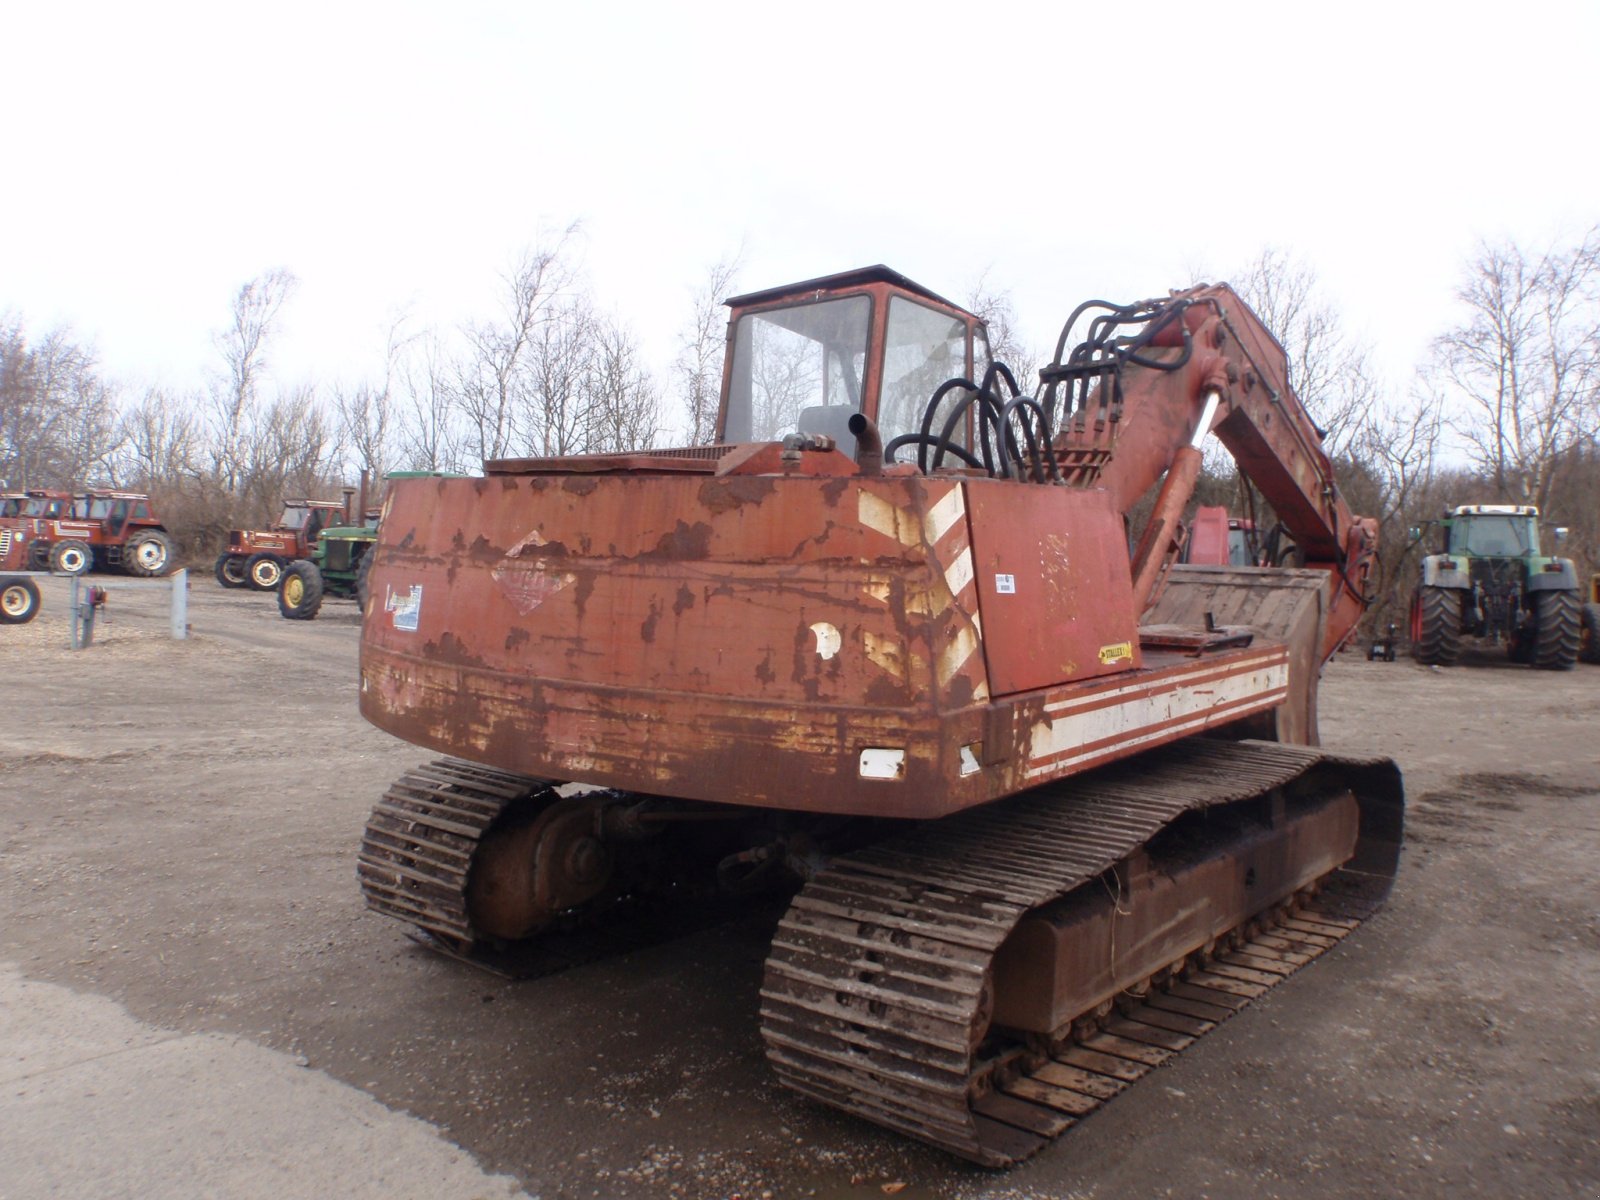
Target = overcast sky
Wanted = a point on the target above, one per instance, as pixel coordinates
(396, 156)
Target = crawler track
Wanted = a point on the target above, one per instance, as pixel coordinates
(875, 994)
(417, 850)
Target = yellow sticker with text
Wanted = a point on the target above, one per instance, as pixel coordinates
(1120, 652)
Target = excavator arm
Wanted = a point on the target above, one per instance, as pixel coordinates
(1150, 380)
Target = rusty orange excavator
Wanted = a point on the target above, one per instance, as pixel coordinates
(1050, 799)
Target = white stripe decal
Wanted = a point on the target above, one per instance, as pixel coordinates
(959, 574)
(1231, 667)
(1057, 765)
(949, 509)
(1059, 742)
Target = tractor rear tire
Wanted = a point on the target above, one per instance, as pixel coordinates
(300, 593)
(148, 554)
(230, 570)
(263, 571)
(71, 557)
(1555, 643)
(19, 601)
(1436, 626)
(1589, 639)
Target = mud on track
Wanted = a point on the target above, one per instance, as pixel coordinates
(178, 831)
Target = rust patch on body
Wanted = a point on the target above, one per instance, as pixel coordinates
(725, 495)
(686, 543)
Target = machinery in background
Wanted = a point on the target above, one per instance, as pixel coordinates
(1491, 582)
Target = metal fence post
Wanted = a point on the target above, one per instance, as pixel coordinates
(180, 604)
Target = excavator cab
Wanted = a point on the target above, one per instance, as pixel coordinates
(807, 357)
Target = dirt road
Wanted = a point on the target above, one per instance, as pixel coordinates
(178, 831)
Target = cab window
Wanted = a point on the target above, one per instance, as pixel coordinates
(923, 348)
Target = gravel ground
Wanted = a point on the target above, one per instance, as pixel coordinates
(178, 829)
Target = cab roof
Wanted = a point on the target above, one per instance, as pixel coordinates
(1494, 510)
(859, 277)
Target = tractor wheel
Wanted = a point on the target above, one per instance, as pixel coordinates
(300, 593)
(1589, 638)
(263, 571)
(1436, 626)
(148, 553)
(1555, 644)
(71, 557)
(19, 601)
(230, 570)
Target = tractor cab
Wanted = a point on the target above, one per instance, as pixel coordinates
(308, 518)
(807, 357)
(1493, 531)
(44, 504)
(114, 512)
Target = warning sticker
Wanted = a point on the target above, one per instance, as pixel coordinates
(1117, 652)
(1005, 585)
(407, 608)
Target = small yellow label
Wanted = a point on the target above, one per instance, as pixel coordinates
(1121, 651)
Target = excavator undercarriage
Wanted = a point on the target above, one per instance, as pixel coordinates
(1044, 805)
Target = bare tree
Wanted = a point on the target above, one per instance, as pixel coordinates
(289, 452)
(623, 404)
(492, 379)
(243, 345)
(995, 308)
(366, 413)
(697, 370)
(161, 442)
(554, 417)
(1397, 446)
(1525, 360)
(58, 425)
(1328, 370)
(430, 439)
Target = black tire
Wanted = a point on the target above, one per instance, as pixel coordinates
(263, 572)
(1436, 626)
(71, 557)
(148, 553)
(230, 570)
(19, 601)
(300, 593)
(1589, 637)
(1558, 624)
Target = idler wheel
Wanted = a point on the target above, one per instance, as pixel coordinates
(525, 873)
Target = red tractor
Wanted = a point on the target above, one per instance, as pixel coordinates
(72, 534)
(256, 557)
(19, 595)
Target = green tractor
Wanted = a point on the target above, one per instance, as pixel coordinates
(337, 567)
(1491, 582)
